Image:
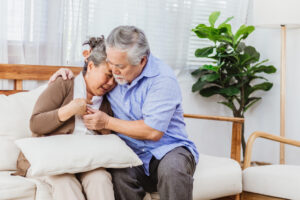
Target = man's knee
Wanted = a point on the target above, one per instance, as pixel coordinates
(121, 174)
(170, 172)
(178, 162)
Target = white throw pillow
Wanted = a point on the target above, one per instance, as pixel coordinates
(15, 113)
(61, 154)
(9, 153)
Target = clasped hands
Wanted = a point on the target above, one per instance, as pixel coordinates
(93, 119)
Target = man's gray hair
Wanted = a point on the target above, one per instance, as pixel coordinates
(130, 39)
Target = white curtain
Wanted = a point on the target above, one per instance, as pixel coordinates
(41, 32)
(48, 32)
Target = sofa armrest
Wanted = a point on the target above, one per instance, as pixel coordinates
(237, 124)
(267, 136)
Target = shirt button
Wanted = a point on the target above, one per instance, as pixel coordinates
(143, 150)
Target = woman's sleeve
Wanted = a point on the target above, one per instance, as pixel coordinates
(44, 118)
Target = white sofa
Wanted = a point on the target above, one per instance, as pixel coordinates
(214, 177)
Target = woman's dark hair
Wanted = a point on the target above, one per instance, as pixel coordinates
(94, 41)
(97, 54)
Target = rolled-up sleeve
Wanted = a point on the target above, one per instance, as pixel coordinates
(161, 101)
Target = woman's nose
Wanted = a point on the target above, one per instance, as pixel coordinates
(111, 81)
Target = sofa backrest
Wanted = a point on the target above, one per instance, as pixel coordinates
(16, 108)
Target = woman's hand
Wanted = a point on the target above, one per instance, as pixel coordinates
(79, 106)
(75, 107)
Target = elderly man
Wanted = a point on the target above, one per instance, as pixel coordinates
(149, 118)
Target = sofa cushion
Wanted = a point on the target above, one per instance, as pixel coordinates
(16, 111)
(61, 154)
(16, 187)
(273, 180)
(216, 177)
(8, 154)
(43, 190)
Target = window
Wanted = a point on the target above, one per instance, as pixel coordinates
(201, 11)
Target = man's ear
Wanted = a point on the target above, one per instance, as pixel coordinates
(90, 66)
(144, 61)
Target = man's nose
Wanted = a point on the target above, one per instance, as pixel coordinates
(115, 70)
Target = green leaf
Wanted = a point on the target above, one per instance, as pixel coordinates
(225, 28)
(228, 104)
(213, 18)
(209, 91)
(265, 86)
(198, 85)
(223, 38)
(204, 52)
(200, 26)
(227, 20)
(257, 77)
(241, 47)
(250, 50)
(196, 72)
(211, 68)
(230, 91)
(226, 92)
(250, 56)
(252, 101)
(201, 33)
(242, 33)
(263, 68)
(210, 77)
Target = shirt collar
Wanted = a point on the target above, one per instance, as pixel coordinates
(150, 70)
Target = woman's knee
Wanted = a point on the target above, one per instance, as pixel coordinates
(63, 180)
(96, 176)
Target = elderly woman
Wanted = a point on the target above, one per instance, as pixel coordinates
(59, 110)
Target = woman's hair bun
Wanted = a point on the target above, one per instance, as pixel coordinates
(95, 41)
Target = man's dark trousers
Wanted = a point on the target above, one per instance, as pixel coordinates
(172, 177)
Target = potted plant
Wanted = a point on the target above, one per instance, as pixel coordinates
(233, 69)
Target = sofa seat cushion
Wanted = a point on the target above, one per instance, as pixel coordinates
(273, 180)
(216, 177)
(16, 187)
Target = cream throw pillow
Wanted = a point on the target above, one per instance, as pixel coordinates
(61, 154)
(9, 153)
(15, 113)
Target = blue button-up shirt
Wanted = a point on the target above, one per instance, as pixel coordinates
(155, 97)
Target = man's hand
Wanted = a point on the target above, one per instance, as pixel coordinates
(64, 73)
(95, 119)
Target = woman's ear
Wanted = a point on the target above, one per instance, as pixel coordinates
(86, 54)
